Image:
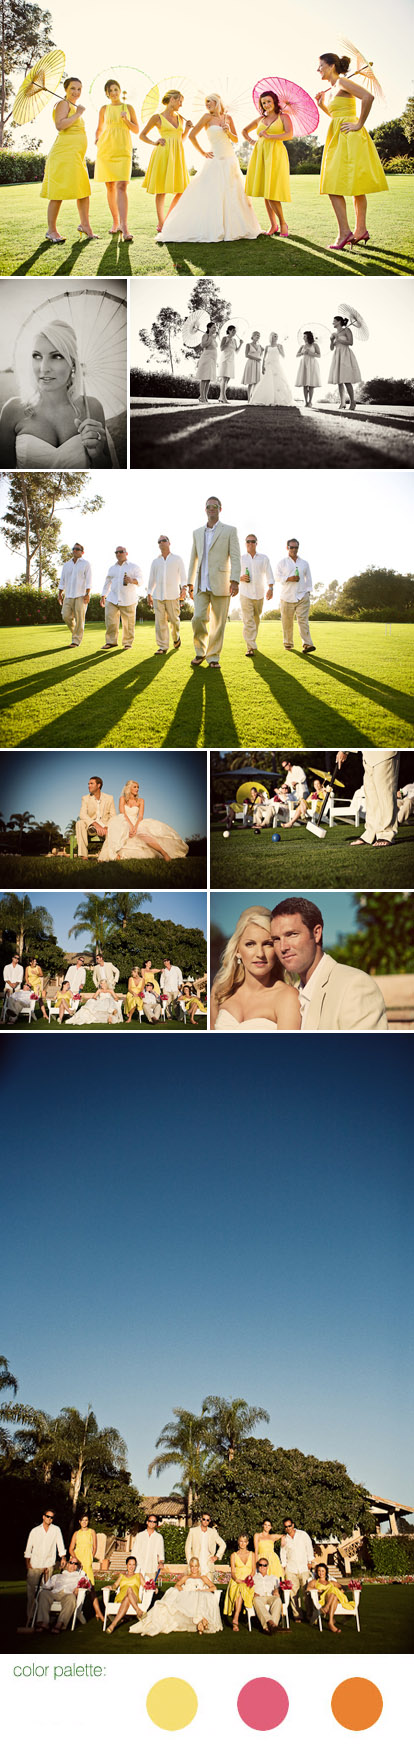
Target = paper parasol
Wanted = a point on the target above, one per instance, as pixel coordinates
(332, 779)
(354, 318)
(241, 324)
(300, 107)
(192, 97)
(321, 333)
(98, 319)
(364, 69)
(40, 84)
(194, 327)
(244, 792)
(132, 80)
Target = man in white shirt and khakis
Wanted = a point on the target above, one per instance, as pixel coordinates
(331, 995)
(74, 593)
(213, 579)
(295, 579)
(76, 976)
(266, 1596)
(148, 1548)
(256, 583)
(120, 598)
(96, 809)
(44, 1545)
(166, 588)
(204, 1542)
(381, 798)
(171, 982)
(296, 1556)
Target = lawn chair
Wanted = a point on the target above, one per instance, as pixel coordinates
(53, 1008)
(285, 1612)
(95, 841)
(25, 1010)
(111, 1607)
(341, 1610)
(344, 810)
(80, 1600)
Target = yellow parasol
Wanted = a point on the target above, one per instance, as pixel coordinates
(325, 777)
(40, 84)
(365, 69)
(244, 792)
(192, 97)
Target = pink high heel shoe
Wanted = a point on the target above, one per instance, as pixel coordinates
(284, 233)
(355, 240)
(337, 246)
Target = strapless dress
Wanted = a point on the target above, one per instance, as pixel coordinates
(226, 1021)
(37, 455)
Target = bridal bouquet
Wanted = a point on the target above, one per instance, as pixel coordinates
(354, 1586)
(285, 1586)
(85, 1583)
(150, 1586)
(249, 1582)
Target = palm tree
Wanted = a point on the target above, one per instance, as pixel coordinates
(52, 832)
(229, 1421)
(6, 1378)
(21, 821)
(185, 1445)
(18, 916)
(124, 905)
(92, 916)
(69, 1445)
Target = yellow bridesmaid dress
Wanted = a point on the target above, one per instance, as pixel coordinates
(325, 1593)
(266, 1548)
(350, 163)
(133, 1001)
(35, 981)
(235, 1587)
(114, 154)
(268, 174)
(167, 170)
(136, 1586)
(66, 176)
(83, 1551)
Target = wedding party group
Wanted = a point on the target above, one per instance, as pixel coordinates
(151, 994)
(275, 975)
(264, 376)
(216, 204)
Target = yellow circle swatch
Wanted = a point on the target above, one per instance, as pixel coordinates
(172, 1704)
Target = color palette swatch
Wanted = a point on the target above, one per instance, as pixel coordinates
(357, 1704)
(172, 1704)
(262, 1704)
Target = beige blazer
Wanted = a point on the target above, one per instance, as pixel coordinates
(345, 999)
(89, 807)
(223, 559)
(193, 1544)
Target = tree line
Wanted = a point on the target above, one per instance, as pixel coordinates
(113, 923)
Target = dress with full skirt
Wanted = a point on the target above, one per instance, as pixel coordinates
(99, 1010)
(180, 1612)
(118, 841)
(214, 207)
(226, 1021)
(273, 388)
(235, 1587)
(268, 175)
(66, 176)
(167, 171)
(251, 372)
(309, 375)
(350, 163)
(207, 364)
(114, 154)
(344, 366)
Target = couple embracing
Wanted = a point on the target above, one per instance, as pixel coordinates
(250, 992)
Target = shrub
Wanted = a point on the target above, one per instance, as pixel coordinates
(379, 391)
(390, 1555)
(401, 166)
(174, 1542)
(21, 166)
(148, 382)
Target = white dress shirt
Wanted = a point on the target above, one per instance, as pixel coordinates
(66, 1581)
(76, 978)
(264, 1584)
(13, 973)
(113, 589)
(75, 578)
(295, 578)
(42, 1547)
(171, 979)
(296, 781)
(167, 576)
(204, 584)
(306, 993)
(261, 574)
(148, 1547)
(297, 1552)
(407, 793)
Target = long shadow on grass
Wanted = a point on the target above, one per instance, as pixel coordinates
(209, 696)
(296, 700)
(25, 268)
(41, 654)
(375, 689)
(112, 702)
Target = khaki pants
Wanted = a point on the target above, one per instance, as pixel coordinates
(251, 611)
(67, 1601)
(405, 810)
(268, 1608)
(34, 1575)
(299, 609)
(83, 828)
(112, 616)
(380, 788)
(151, 1012)
(298, 1584)
(74, 614)
(209, 623)
(166, 612)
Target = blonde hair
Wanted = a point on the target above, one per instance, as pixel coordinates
(231, 974)
(62, 337)
(127, 789)
(214, 97)
(170, 94)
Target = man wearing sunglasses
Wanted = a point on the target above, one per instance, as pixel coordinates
(44, 1546)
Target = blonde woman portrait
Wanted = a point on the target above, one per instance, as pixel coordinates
(48, 424)
(249, 991)
(214, 207)
(117, 122)
(66, 176)
(128, 837)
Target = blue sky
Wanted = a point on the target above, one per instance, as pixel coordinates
(266, 1227)
(50, 783)
(337, 907)
(186, 908)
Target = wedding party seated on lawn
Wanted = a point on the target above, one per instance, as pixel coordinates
(152, 995)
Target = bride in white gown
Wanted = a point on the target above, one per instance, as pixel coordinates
(189, 1606)
(273, 388)
(249, 992)
(215, 207)
(47, 425)
(129, 838)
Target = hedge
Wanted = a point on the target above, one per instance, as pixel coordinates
(399, 391)
(148, 383)
(390, 1556)
(21, 166)
(402, 166)
(174, 1542)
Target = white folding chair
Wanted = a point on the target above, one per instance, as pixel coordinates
(80, 1600)
(344, 810)
(341, 1610)
(111, 1607)
(285, 1612)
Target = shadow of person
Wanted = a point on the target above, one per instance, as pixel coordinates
(111, 703)
(203, 715)
(33, 683)
(115, 261)
(375, 689)
(304, 711)
(26, 265)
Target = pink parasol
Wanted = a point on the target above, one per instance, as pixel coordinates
(300, 107)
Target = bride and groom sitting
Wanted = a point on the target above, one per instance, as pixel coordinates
(249, 992)
(124, 835)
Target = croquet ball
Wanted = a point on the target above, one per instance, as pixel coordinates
(226, 834)
(275, 838)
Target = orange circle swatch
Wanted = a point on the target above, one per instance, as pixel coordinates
(357, 1704)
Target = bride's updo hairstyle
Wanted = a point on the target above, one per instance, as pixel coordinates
(231, 973)
(275, 101)
(127, 790)
(61, 337)
(340, 62)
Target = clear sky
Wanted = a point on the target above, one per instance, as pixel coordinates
(337, 907)
(50, 784)
(240, 1247)
(344, 524)
(285, 307)
(184, 908)
(235, 49)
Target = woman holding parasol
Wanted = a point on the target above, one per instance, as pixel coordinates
(350, 163)
(66, 176)
(344, 369)
(214, 207)
(268, 175)
(117, 122)
(51, 423)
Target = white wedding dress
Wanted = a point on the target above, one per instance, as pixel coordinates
(226, 1021)
(214, 208)
(119, 843)
(33, 452)
(97, 1011)
(181, 1612)
(273, 388)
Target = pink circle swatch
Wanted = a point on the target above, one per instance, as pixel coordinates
(263, 1704)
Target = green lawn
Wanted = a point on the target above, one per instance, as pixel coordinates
(387, 1615)
(38, 872)
(299, 861)
(356, 690)
(135, 1027)
(311, 222)
(194, 435)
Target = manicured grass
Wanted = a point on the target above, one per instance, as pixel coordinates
(40, 873)
(232, 435)
(387, 1615)
(302, 862)
(356, 690)
(133, 1028)
(306, 252)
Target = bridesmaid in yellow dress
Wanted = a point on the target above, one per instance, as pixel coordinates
(268, 175)
(264, 1545)
(243, 1567)
(83, 1545)
(66, 176)
(167, 170)
(329, 1595)
(127, 1591)
(134, 998)
(34, 980)
(117, 121)
(350, 163)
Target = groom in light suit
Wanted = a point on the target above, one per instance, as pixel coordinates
(213, 577)
(96, 809)
(331, 995)
(204, 1542)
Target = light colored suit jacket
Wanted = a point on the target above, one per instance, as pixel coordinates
(88, 808)
(345, 999)
(223, 559)
(105, 972)
(193, 1544)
